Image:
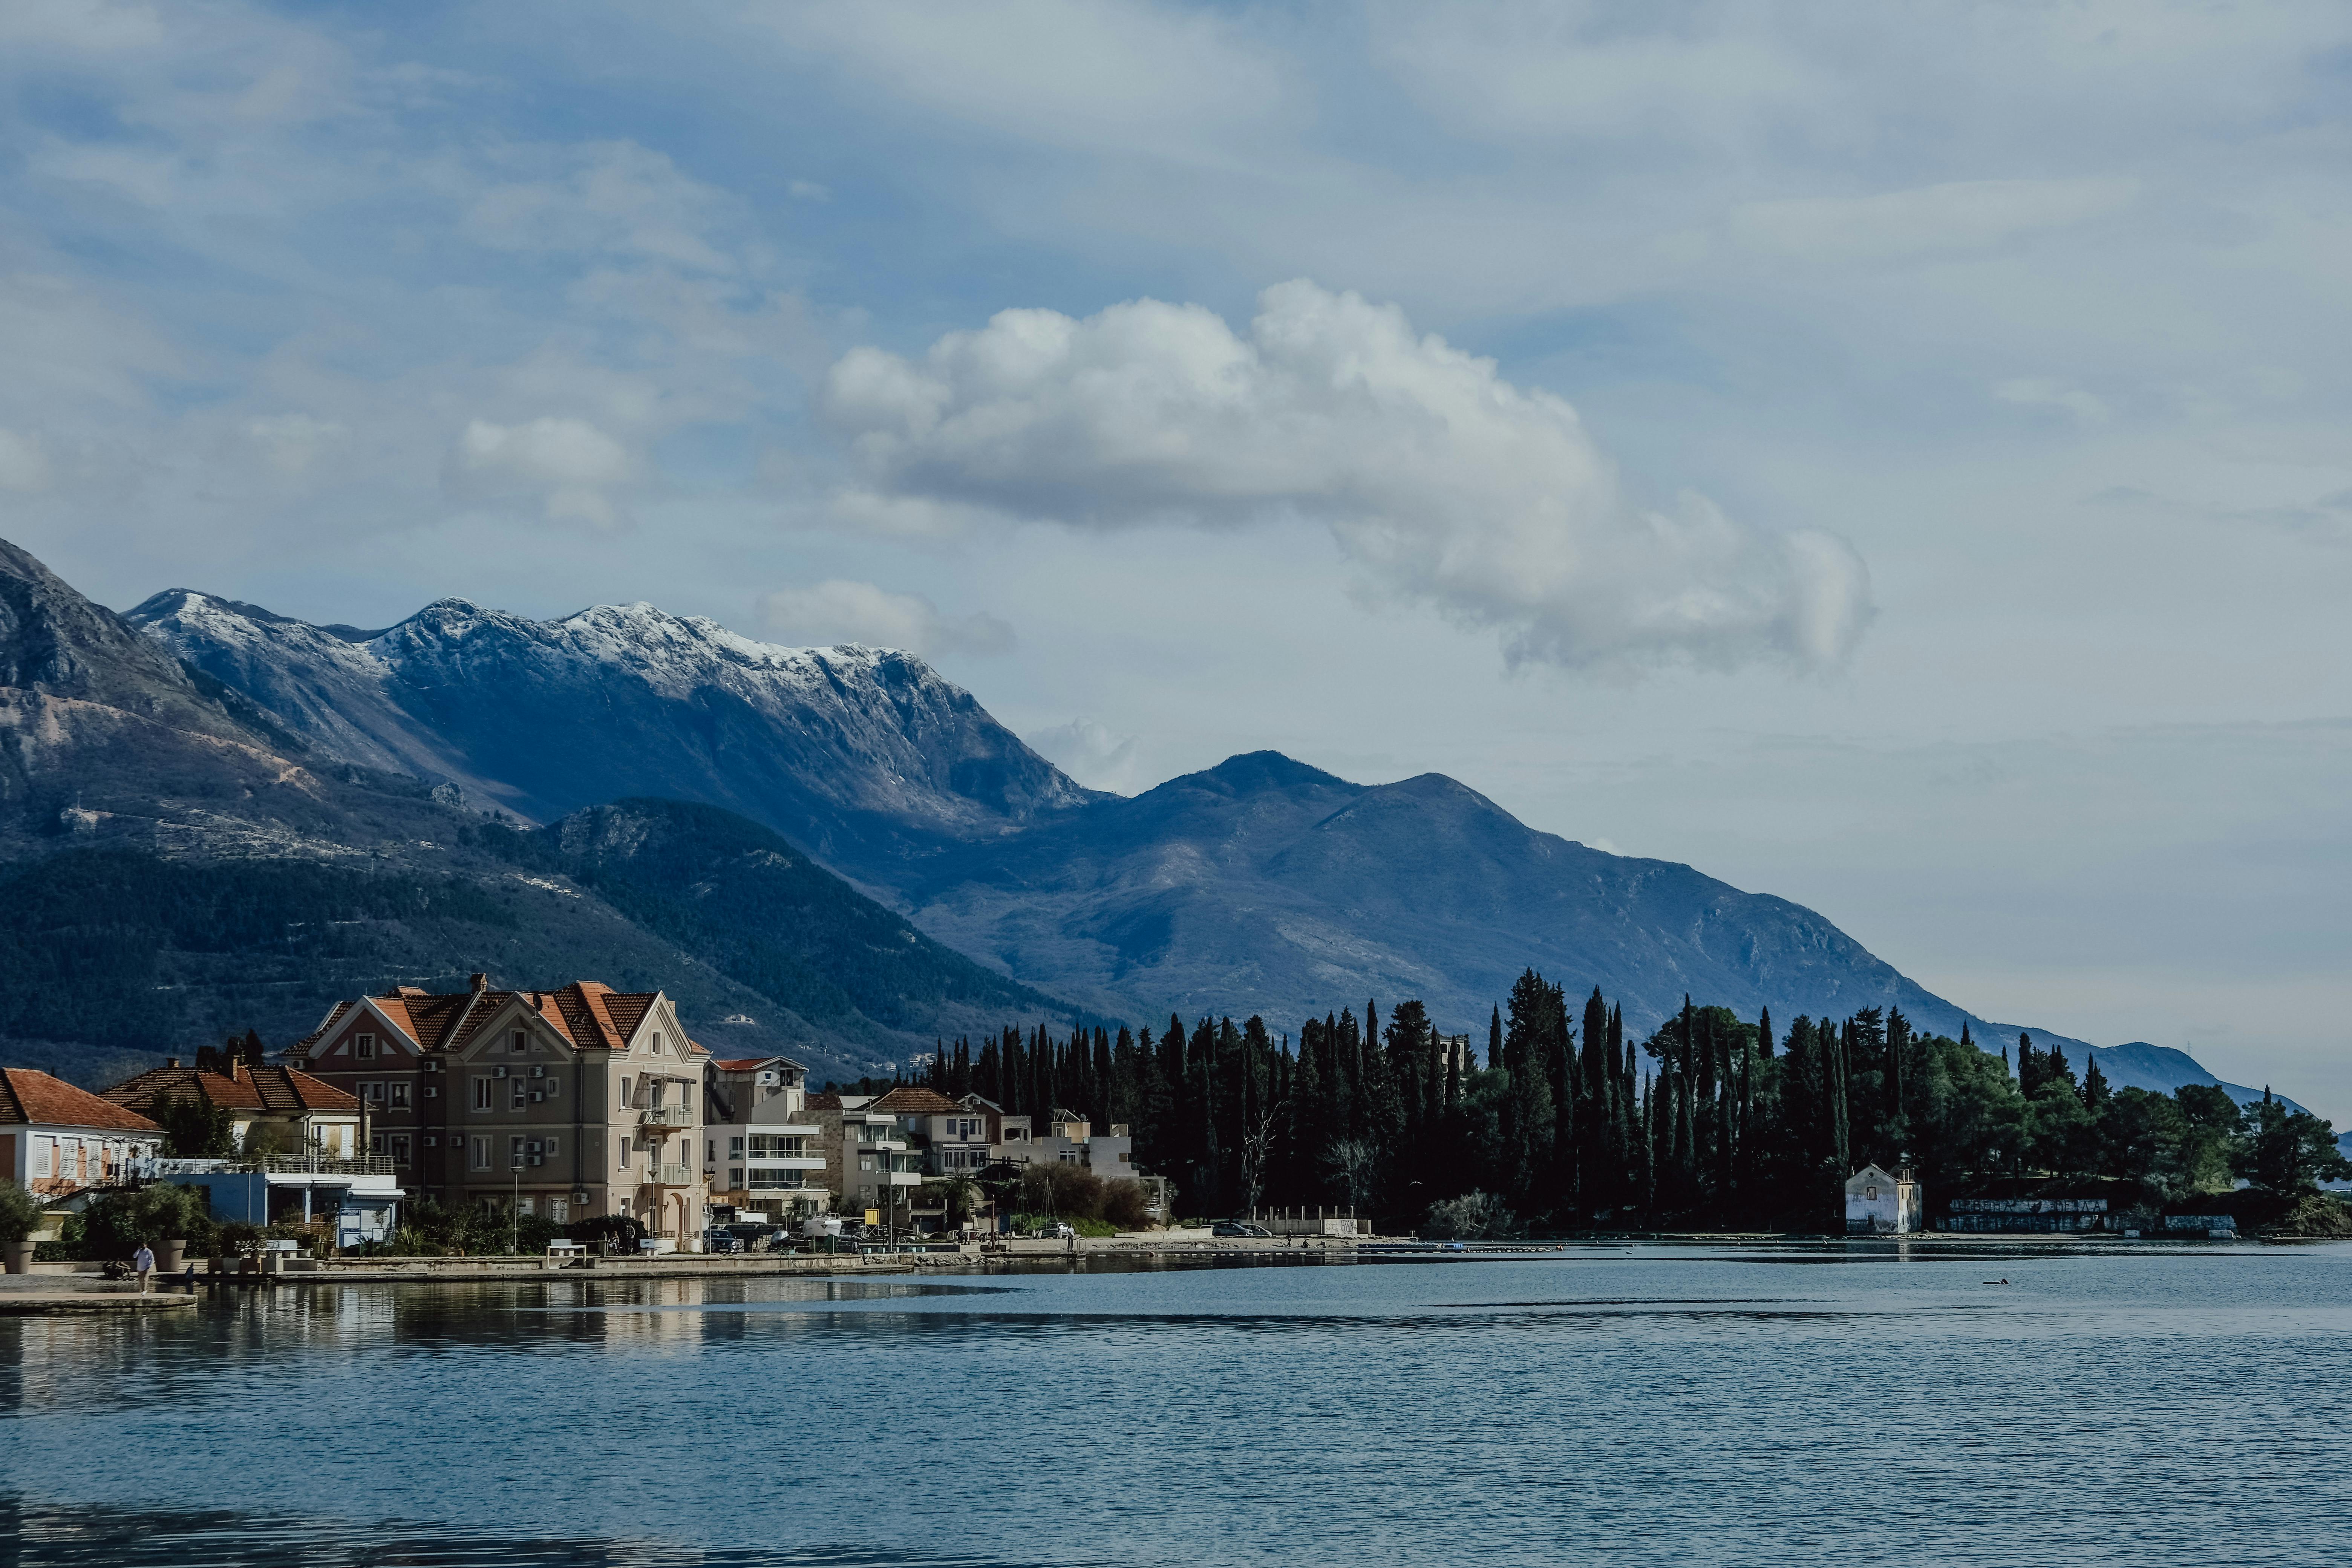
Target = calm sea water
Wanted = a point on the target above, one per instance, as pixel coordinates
(1632, 1405)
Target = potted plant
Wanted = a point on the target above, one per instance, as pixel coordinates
(20, 1216)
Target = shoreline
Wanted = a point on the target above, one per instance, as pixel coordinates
(976, 1258)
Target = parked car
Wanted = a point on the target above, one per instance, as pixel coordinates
(718, 1238)
(1238, 1227)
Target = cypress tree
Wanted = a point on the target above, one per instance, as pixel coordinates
(1494, 1039)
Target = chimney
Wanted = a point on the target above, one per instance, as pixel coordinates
(478, 983)
(171, 1061)
(237, 1068)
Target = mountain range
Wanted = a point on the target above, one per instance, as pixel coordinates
(623, 754)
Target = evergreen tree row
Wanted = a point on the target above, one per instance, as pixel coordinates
(1564, 1122)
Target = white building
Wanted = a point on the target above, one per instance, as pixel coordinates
(1879, 1203)
(760, 1148)
(56, 1140)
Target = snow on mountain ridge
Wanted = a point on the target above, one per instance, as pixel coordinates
(863, 754)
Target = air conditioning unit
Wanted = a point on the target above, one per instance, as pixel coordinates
(538, 1072)
(538, 1159)
(536, 1095)
(497, 1072)
(432, 1091)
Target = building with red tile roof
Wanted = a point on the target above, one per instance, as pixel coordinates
(574, 1102)
(56, 1139)
(305, 1114)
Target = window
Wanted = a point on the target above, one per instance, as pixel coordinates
(518, 1041)
(551, 1146)
(400, 1097)
(711, 1156)
(376, 1142)
(482, 1094)
(734, 1178)
(526, 1204)
(45, 1157)
(518, 1094)
(657, 1042)
(628, 1091)
(400, 1148)
(865, 1162)
(373, 1092)
(363, 1046)
(734, 1148)
(481, 1153)
(559, 1210)
(625, 1152)
(552, 1085)
(514, 1153)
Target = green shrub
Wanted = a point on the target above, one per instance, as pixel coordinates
(116, 1222)
(20, 1212)
(68, 1247)
(620, 1228)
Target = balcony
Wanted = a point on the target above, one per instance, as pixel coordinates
(670, 1176)
(665, 1115)
(268, 1164)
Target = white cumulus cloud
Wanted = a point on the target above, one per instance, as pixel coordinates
(837, 611)
(569, 467)
(1440, 481)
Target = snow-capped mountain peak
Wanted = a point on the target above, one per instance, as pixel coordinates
(543, 717)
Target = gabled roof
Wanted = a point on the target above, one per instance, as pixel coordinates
(753, 1064)
(823, 1102)
(274, 1090)
(907, 1100)
(30, 1097)
(588, 1013)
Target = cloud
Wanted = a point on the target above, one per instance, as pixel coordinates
(2034, 392)
(611, 196)
(292, 444)
(23, 465)
(1927, 220)
(843, 612)
(1095, 756)
(1441, 481)
(569, 467)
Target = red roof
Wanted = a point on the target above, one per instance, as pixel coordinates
(747, 1064)
(31, 1097)
(588, 1013)
(909, 1100)
(281, 1091)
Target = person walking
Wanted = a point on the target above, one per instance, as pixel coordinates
(143, 1261)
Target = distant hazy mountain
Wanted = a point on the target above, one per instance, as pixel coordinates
(2138, 1064)
(1265, 885)
(179, 861)
(867, 759)
(1261, 885)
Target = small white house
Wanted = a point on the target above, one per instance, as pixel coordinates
(1879, 1203)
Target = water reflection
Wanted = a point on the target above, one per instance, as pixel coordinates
(1649, 1404)
(36, 1536)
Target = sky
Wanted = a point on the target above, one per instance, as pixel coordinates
(1892, 457)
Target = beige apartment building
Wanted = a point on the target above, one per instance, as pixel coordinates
(573, 1103)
